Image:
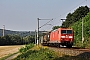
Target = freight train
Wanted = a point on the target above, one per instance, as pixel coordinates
(59, 37)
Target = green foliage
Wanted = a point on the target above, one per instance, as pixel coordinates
(75, 16)
(26, 48)
(42, 54)
(56, 27)
(46, 54)
(10, 40)
(29, 39)
(77, 27)
(16, 40)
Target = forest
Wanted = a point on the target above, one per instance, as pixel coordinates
(16, 40)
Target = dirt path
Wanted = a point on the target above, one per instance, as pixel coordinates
(6, 50)
(12, 57)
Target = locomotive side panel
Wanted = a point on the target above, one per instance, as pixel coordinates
(52, 37)
(55, 36)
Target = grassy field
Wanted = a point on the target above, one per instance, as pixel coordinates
(7, 50)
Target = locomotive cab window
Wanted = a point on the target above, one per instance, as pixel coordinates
(66, 31)
(63, 31)
(69, 31)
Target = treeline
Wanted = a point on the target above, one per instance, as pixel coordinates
(75, 16)
(77, 27)
(20, 33)
(16, 40)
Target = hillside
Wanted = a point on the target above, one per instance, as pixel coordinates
(21, 33)
(77, 27)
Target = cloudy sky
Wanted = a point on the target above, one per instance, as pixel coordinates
(21, 15)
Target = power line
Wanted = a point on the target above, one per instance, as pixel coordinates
(46, 23)
(61, 15)
(70, 10)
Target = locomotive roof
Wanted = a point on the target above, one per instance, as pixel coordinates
(62, 29)
(46, 32)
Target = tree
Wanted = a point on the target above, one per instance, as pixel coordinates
(75, 16)
(16, 40)
(56, 27)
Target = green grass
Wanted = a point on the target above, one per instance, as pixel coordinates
(41, 54)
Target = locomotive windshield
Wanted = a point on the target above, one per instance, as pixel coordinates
(66, 31)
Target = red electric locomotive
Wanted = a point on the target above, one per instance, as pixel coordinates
(61, 36)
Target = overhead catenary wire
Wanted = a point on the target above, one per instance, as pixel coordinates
(63, 14)
(72, 8)
(69, 11)
(46, 23)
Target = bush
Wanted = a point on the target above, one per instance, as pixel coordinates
(26, 48)
(41, 54)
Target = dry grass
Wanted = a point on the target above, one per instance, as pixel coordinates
(6, 50)
(37, 47)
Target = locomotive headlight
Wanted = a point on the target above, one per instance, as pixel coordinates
(62, 36)
(70, 36)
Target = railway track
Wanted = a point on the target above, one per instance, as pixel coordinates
(74, 51)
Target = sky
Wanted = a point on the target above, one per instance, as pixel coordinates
(21, 15)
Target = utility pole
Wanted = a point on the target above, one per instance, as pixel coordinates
(35, 37)
(40, 27)
(37, 31)
(3, 30)
(82, 32)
